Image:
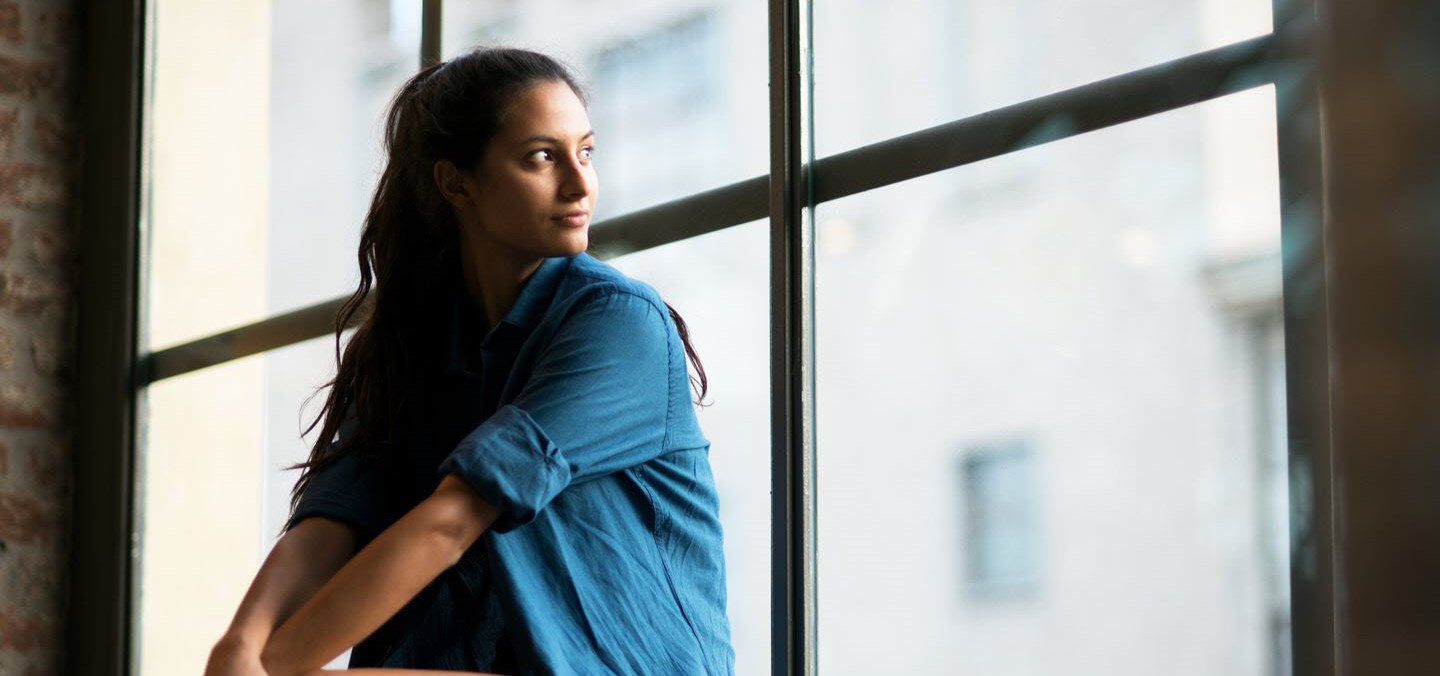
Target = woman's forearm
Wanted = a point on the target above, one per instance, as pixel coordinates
(380, 580)
(393, 672)
(299, 564)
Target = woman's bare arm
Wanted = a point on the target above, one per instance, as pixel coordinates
(380, 580)
(393, 672)
(299, 564)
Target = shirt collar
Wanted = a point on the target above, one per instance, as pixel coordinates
(535, 296)
(465, 325)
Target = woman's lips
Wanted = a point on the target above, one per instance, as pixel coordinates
(574, 219)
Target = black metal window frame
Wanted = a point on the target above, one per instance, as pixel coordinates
(112, 375)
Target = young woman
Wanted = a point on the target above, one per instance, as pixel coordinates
(509, 441)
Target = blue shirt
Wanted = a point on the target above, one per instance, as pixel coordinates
(573, 417)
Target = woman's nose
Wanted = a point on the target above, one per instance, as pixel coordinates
(579, 180)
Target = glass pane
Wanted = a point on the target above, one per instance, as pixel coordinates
(197, 476)
(301, 148)
(1051, 405)
(264, 145)
(678, 91)
(214, 494)
(887, 68)
(719, 285)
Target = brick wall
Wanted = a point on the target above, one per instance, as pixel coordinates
(38, 156)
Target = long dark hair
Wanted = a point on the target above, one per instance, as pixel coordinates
(410, 252)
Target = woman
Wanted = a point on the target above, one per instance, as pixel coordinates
(509, 440)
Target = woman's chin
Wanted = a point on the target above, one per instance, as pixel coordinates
(576, 243)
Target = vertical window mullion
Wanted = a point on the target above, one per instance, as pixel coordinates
(792, 364)
(99, 632)
(430, 13)
(1307, 378)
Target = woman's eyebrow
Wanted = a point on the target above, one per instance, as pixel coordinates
(542, 138)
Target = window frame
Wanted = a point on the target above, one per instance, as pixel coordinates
(112, 376)
(99, 603)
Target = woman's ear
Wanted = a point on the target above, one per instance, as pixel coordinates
(451, 183)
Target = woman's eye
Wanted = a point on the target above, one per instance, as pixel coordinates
(541, 155)
(587, 152)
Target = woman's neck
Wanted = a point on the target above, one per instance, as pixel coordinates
(494, 283)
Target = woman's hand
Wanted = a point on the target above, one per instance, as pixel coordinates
(235, 656)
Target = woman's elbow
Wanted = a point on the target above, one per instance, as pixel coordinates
(281, 671)
(459, 516)
(274, 665)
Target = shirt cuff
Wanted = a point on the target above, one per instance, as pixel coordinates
(365, 528)
(512, 465)
(345, 490)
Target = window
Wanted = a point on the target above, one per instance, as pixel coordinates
(1008, 275)
(1000, 538)
(657, 98)
(300, 156)
(1031, 292)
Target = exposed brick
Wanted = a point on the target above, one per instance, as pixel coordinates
(39, 153)
(18, 632)
(50, 245)
(22, 520)
(52, 138)
(35, 580)
(10, 22)
(47, 465)
(7, 350)
(20, 407)
(50, 354)
(9, 130)
(49, 477)
(23, 632)
(25, 293)
(28, 77)
(57, 29)
(31, 185)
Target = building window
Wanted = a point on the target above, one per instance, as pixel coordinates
(404, 23)
(1000, 540)
(657, 115)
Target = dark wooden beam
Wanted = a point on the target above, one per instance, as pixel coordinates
(97, 634)
(1380, 102)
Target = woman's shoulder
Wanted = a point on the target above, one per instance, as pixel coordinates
(595, 298)
(589, 278)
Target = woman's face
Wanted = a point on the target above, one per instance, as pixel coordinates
(533, 191)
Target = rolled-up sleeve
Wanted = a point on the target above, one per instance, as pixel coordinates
(346, 490)
(595, 403)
